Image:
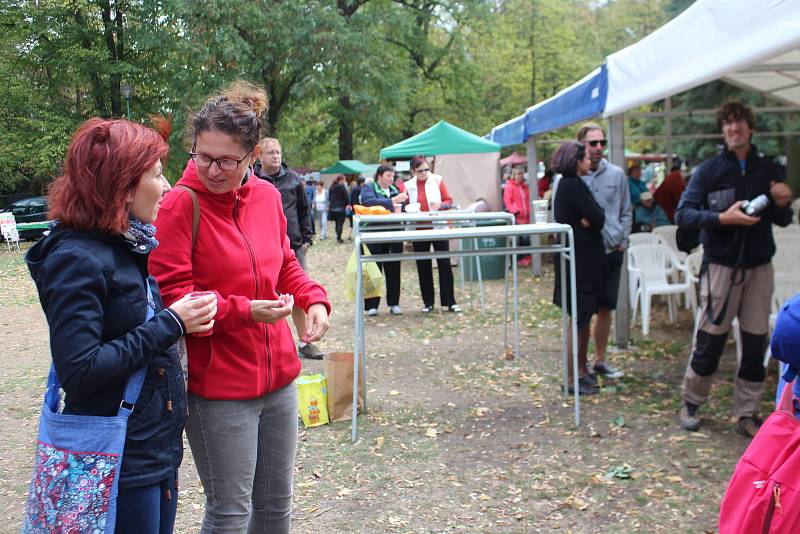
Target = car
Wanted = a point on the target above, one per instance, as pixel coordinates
(30, 210)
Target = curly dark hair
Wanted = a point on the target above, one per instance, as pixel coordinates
(236, 111)
(735, 111)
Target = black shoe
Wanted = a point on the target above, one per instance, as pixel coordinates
(585, 386)
(688, 419)
(310, 352)
(607, 370)
(592, 379)
(748, 426)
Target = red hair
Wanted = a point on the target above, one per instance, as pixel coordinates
(105, 162)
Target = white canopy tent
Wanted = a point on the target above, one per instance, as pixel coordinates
(754, 44)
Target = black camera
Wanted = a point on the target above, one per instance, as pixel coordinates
(755, 206)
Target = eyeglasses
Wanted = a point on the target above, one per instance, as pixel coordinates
(224, 164)
(422, 170)
(602, 142)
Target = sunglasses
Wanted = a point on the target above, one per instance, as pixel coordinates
(426, 169)
(601, 142)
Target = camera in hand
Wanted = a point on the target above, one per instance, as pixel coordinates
(755, 206)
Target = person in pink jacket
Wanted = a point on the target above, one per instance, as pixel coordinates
(517, 199)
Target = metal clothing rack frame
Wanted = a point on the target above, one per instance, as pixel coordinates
(450, 218)
(565, 248)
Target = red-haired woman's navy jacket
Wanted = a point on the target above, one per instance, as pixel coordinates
(92, 291)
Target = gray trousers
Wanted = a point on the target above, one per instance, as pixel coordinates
(750, 302)
(244, 452)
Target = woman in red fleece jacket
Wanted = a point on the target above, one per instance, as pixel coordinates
(517, 199)
(242, 424)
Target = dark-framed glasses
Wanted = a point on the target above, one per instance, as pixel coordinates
(595, 142)
(224, 164)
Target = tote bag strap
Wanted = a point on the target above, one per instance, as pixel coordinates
(132, 388)
(136, 380)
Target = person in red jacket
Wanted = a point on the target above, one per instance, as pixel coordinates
(517, 199)
(242, 401)
(429, 190)
(668, 194)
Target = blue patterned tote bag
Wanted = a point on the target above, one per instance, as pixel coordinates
(77, 464)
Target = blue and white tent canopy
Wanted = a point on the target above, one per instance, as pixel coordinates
(754, 44)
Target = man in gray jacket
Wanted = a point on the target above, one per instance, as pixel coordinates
(609, 185)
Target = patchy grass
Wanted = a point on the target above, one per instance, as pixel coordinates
(461, 435)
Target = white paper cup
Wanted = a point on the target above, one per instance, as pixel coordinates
(540, 211)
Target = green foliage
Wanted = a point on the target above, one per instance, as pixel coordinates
(344, 78)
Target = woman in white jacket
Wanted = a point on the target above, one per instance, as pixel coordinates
(429, 190)
(321, 209)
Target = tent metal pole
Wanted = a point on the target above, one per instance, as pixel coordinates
(668, 130)
(616, 152)
(533, 184)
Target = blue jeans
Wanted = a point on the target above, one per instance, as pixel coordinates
(147, 510)
(244, 451)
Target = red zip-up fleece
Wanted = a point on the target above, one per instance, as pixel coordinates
(242, 253)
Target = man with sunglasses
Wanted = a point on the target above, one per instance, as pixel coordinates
(609, 186)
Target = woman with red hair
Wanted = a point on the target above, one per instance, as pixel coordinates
(94, 287)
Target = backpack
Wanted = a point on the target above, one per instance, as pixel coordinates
(763, 495)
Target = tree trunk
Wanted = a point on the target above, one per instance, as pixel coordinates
(345, 128)
(97, 86)
(109, 33)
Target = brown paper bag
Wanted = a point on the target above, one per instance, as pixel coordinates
(339, 375)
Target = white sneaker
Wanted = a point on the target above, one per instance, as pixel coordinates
(372, 312)
(455, 308)
(395, 310)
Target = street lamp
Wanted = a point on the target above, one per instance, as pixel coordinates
(126, 90)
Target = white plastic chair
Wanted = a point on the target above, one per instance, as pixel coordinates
(694, 263)
(670, 232)
(645, 238)
(635, 240)
(652, 264)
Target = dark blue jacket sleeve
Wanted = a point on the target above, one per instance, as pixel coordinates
(75, 288)
(692, 212)
(370, 198)
(302, 213)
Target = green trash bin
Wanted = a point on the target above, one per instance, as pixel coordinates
(492, 267)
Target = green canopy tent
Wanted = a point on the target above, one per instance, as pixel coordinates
(467, 162)
(346, 166)
(441, 138)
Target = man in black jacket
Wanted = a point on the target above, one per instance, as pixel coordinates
(298, 224)
(737, 276)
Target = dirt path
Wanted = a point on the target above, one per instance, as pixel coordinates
(458, 437)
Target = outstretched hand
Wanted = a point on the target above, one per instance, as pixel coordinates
(271, 311)
(317, 323)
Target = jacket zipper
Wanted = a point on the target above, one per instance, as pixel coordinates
(255, 278)
(774, 503)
